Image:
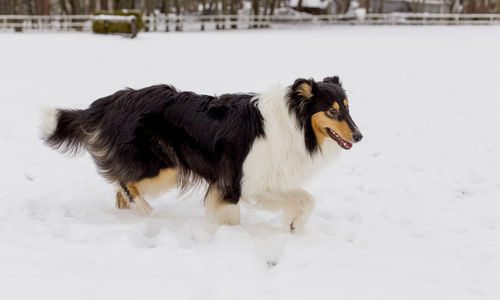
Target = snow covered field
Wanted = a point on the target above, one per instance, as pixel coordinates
(412, 212)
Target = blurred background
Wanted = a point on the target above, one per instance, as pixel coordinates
(411, 212)
(179, 15)
(264, 7)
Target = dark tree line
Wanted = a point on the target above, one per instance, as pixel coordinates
(207, 7)
(75, 7)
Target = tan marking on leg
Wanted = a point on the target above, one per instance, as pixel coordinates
(216, 208)
(139, 201)
(121, 201)
(166, 179)
(154, 187)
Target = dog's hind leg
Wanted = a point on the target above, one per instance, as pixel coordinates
(151, 187)
(122, 202)
(130, 192)
(216, 207)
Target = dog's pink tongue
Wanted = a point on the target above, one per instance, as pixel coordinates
(346, 145)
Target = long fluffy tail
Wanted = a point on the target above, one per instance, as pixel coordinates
(62, 129)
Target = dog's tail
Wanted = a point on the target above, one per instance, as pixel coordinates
(62, 129)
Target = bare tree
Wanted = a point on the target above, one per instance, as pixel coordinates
(347, 6)
(343, 5)
(165, 7)
(273, 6)
(104, 5)
(482, 6)
(269, 6)
(366, 4)
(255, 6)
(42, 7)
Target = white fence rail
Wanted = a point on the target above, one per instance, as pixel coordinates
(163, 23)
(189, 23)
(431, 19)
(46, 23)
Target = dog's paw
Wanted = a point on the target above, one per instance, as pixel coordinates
(143, 206)
(298, 219)
(297, 224)
(122, 205)
(227, 214)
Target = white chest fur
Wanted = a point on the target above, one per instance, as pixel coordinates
(279, 161)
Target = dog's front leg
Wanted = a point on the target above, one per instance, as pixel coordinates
(299, 209)
(296, 206)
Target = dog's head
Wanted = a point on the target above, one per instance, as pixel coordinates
(322, 110)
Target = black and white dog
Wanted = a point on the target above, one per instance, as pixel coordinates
(252, 147)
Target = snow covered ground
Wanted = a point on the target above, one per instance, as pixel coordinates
(412, 212)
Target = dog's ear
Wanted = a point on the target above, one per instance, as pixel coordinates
(304, 88)
(335, 80)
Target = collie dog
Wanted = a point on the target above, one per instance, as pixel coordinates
(259, 148)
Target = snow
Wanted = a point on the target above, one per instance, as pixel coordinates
(113, 18)
(311, 3)
(412, 212)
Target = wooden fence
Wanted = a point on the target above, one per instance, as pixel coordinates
(218, 22)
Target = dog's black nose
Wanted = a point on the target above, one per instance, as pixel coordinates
(357, 137)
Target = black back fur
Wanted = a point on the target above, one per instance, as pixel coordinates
(133, 134)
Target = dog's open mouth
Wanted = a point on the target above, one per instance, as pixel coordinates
(342, 143)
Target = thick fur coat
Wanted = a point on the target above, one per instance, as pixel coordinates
(254, 147)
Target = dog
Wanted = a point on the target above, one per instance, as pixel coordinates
(259, 148)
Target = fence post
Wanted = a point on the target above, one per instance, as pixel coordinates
(133, 27)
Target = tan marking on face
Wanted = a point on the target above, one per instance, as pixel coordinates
(346, 104)
(342, 129)
(305, 90)
(320, 122)
(336, 106)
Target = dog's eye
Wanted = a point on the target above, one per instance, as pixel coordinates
(333, 111)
